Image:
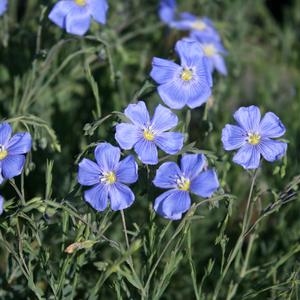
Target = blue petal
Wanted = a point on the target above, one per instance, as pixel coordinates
(173, 94)
(271, 126)
(172, 204)
(107, 156)
(5, 133)
(166, 175)
(147, 152)
(192, 164)
(20, 143)
(233, 137)
(205, 184)
(248, 118)
(59, 12)
(219, 64)
(163, 119)
(127, 170)
(12, 166)
(127, 135)
(3, 7)
(88, 172)
(138, 114)
(170, 142)
(1, 204)
(248, 157)
(272, 150)
(189, 52)
(97, 197)
(78, 20)
(163, 70)
(98, 9)
(167, 10)
(120, 196)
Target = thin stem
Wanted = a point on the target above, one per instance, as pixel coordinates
(13, 184)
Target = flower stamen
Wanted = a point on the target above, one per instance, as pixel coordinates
(209, 50)
(198, 25)
(80, 2)
(3, 152)
(253, 138)
(186, 74)
(149, 134)
(108, 178)
(183, 184)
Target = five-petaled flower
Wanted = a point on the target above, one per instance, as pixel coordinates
(186, 84)
(3, 7)
(108, 178)
(213, 50)
(12, 150)
(191, 177)
(146, 135)
(253, 137)
(75, 15)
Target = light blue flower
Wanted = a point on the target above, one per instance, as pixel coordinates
(191, 177)
(145, 134)
(213, 50)
(108, 178)
(75, 15)
(186, 84)
(12, 150)
(3, 7)
(253, 137)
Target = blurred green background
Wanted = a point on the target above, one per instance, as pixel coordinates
(60, 86)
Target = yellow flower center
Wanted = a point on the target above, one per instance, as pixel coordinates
(186, 74)
(253, 138)
(148, 134)
(80, 2)
(3, 154)
(109, 177)
(183, 184)
(199, 25)
(209, 50)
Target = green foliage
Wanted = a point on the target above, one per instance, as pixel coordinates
(69, 92)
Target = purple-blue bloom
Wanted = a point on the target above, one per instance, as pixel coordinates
(12, 150)
(1, 204)
(3, 7)
(191, 177)
(108, 177)
(253, 137)
(213, 50)
(75, 15)
(186, 84)
(145, 134)
(167, 10)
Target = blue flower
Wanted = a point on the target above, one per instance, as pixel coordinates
(186, 84)
(108, 178)
(12, 150)
(167, 10)
(3, 7)
(191, 177)
(253, 137)
(1, 204)
(75, 15)
(213, 50)
(146, 135)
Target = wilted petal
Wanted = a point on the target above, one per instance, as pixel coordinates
(97, 197)
(272, 150)
(205, 184)
(120, 196)
(166, 175)
(172, 204)
(248, 118)
(271, 126)
(127, 170)
(88, 172)
(147, 152)
(12, 166)
(248, 157)
(138, 114)
(107, 156)
(170, 142)
(20, 143)
(127, 135)
(233, 137)
(192, 165)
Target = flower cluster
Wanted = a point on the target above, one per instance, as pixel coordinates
(12, 153)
